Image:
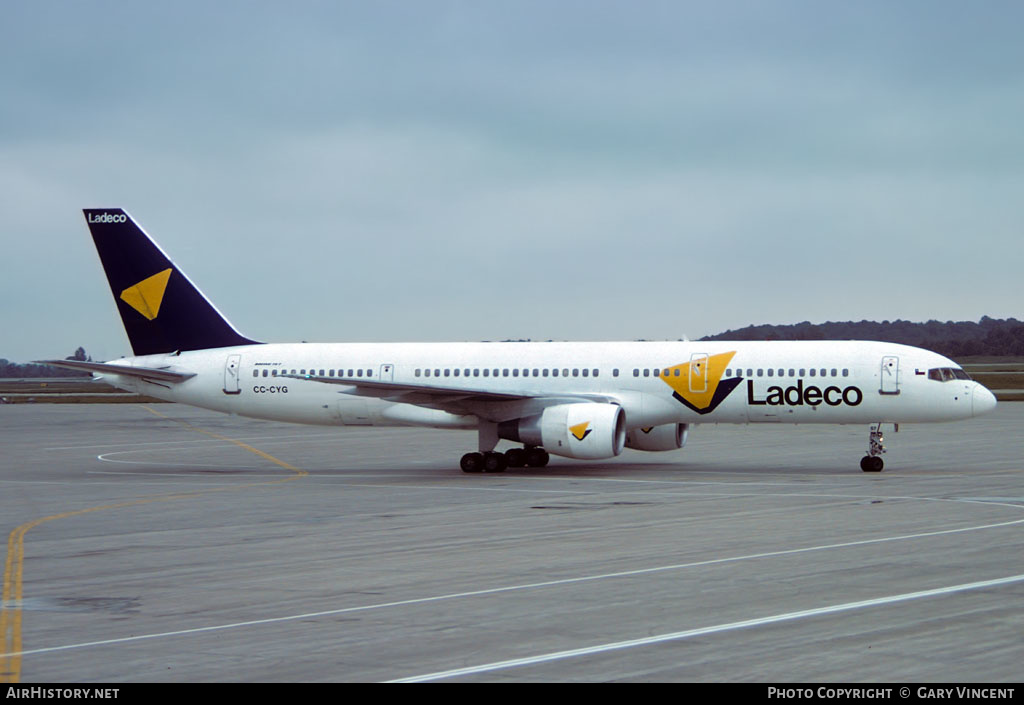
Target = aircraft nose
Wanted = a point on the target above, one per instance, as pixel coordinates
(982, 400)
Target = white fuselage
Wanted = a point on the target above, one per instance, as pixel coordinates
(655, 383)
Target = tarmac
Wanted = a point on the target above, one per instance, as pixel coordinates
(164, 543)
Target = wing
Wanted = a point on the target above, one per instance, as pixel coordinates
(487, 404)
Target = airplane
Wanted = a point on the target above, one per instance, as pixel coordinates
(585, 400)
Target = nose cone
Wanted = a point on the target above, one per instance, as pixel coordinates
(982, 400)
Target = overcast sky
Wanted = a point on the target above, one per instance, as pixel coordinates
(431, 170)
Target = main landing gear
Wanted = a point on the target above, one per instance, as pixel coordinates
(491, 461)
(872, 462)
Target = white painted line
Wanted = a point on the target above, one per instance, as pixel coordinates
(716, 629)
(201, 441)
(509, 588)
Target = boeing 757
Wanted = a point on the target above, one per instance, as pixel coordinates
(576, 400)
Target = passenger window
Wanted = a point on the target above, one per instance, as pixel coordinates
(487, 372)
(255, 373)
(456, 371)
(447, 372)
(554, 372)
(586, 372)
(792, 372)
(750, 372)
(417, 372)
(647, 372)
(802, 371)
(834, 372)
(359, 373)
(823, 371)
(728, 373)
(636, 372)
(504, 373)
(657, 373)
(515, 372)
(536, 372)
(476, 371)
(615, 372)
(596, 371)
(546, 372)
(273, 373)
(465, 372)
(565, 371)
(576, 372)
(846, 372)
(771, 372)
(760, 372)
(369, 373)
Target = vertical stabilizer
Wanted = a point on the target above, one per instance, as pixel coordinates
(161, 309)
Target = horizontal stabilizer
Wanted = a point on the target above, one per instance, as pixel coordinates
(164, 374)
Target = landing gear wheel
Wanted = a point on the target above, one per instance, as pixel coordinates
(515, 457)
(537, 457)
(494, 462)
(871, 464)
(472, 462)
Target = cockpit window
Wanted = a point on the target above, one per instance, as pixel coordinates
(947, 374)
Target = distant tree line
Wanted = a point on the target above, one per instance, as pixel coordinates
(14, 370)
(989, 336)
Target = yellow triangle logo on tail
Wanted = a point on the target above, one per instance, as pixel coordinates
(146, 296)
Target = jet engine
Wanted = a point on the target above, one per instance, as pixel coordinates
(588, 430)
(666, 437)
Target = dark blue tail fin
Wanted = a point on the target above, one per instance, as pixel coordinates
(161, 309)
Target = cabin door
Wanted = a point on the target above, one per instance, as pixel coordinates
(890, 375)
(232, 379)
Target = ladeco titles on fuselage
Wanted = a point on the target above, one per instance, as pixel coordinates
(798, 395)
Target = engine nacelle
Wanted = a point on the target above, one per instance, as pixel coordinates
(671, 436)
(588, 430)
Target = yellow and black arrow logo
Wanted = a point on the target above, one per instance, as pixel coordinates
(698, 383)
(580, 430)
(146, 296)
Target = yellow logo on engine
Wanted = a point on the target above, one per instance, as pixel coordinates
(580, 430)
(146, 296)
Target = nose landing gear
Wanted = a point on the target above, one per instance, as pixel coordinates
(872, 462)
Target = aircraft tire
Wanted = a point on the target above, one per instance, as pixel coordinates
(537, 457)
(515, 457)
(494, 462)
(472, 462)
(871, 464)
